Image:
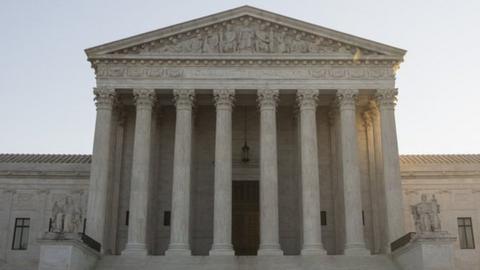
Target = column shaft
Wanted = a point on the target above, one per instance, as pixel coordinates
(386, 99)
(312, 237)
(269, 227)
(368, 120)
(354, 240)
(222, 215)
(182, 159)
(139, 183)
(99, 170)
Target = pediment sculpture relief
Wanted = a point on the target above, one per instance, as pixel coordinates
(66, 216)
(245, 35)
(425, 215)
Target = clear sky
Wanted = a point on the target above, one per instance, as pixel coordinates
(46, 100)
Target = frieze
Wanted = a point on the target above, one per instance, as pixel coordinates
(325, 73)
(245, 35)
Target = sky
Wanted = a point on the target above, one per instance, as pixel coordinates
(46, 99)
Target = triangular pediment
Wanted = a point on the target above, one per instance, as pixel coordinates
(244, 31)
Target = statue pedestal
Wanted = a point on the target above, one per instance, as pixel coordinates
(67, 251)
(425, 251)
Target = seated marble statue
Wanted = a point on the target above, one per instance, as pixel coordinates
(66, 217)
(425, 215)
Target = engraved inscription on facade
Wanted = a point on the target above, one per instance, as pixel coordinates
(326, 73)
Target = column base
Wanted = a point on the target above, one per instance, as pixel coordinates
(308, 250)
(269, 250)
(356, 249)
(135, 249)
(222, 250)
(178, 250)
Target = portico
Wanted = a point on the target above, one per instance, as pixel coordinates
(295, 95)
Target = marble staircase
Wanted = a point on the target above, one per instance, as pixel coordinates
(374, 262)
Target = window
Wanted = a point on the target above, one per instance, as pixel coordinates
(166, 218)
(465, 233)
(127, 217)
(20, 234)
(323, 218)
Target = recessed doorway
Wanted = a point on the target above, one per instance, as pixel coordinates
(245, 219)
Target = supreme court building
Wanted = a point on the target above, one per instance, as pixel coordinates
(240, 133)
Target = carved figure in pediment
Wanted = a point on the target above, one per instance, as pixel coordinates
(229, 40)
(192, 45)
(343, 49)
(279, 42)
(211, 42)
(319, 45)
(262, 40)
(298, 45)
(246, 38)
(315, 46)
(196, 44)
(245, 35)
(171, 48)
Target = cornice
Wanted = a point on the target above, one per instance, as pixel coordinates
(411, 174)
(246, 60)
(45, 174)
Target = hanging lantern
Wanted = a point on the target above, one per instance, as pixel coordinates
(245, 152)
(245, 148)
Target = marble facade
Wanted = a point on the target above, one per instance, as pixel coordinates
(320, 81)
(175, 109)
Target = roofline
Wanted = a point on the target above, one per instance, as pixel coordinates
(46, 158)
(424, 159)
(243, 10)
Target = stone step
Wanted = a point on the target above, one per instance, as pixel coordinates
(374, 262)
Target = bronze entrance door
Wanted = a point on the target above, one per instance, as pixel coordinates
(245, 219)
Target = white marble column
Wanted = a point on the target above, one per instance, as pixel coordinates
(269, 227)
(139, 182)
(182, 159)
(222, 213)
(368, 122)
(312, 235)
(354, 239)
(99, 169)
(386, 100)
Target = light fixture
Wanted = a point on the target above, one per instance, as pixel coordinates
(245, 148)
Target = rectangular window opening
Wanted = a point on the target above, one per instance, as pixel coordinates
(363, 218)
(465, 233)
(323, 218)
(166, 218)
(127, 217)
(20, 234)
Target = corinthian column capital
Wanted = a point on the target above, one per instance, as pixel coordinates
(184, 98)
(307, 98)
(267, 98)
(144, 98)
(346, 98)
(104, 97)
(224, 98)
(386, 98)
